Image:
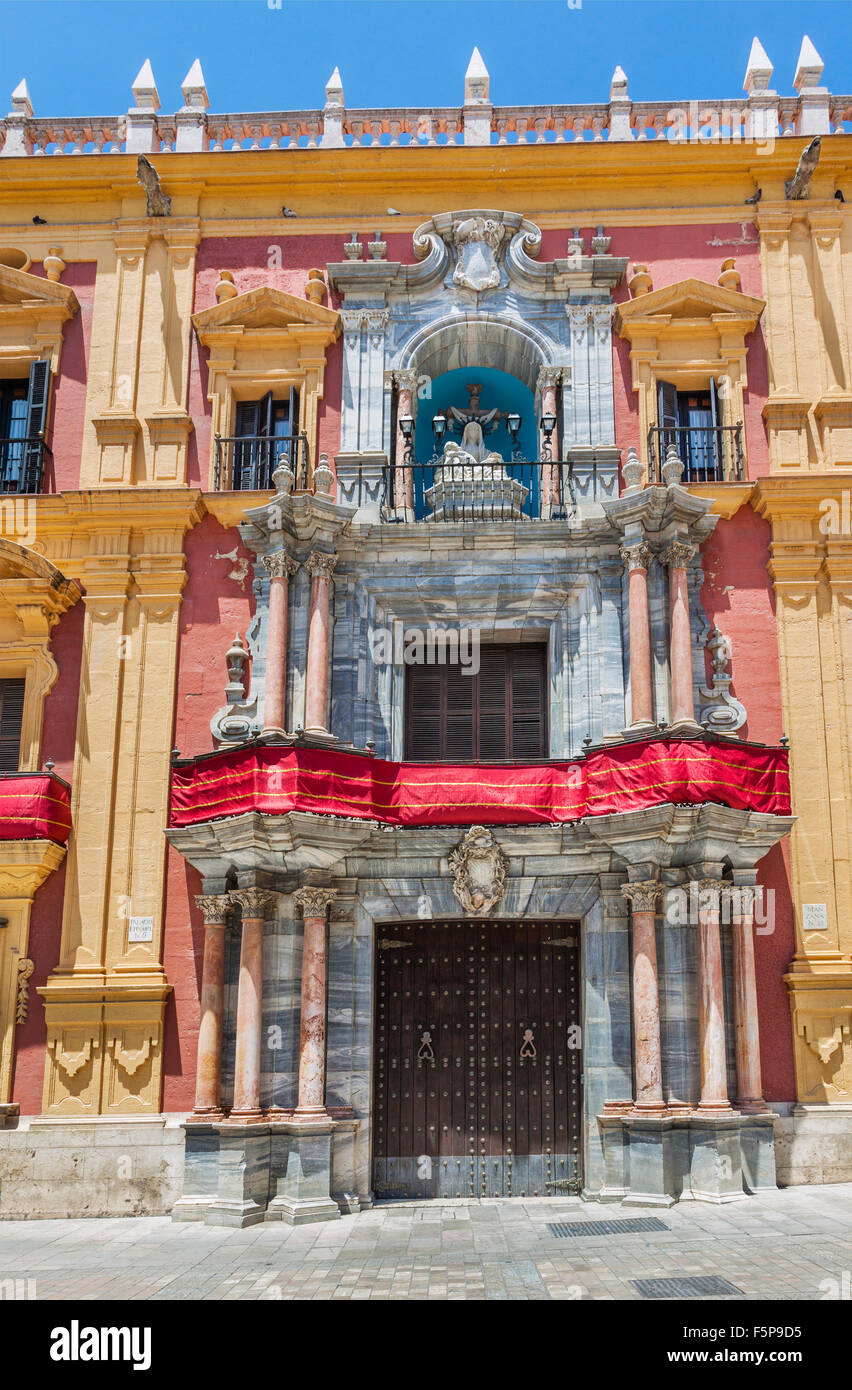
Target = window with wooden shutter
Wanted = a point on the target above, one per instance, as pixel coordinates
(498, 715)
(11, 719)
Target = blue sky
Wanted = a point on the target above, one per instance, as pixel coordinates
(405, 52)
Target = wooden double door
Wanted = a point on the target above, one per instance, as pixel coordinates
(478, 1060)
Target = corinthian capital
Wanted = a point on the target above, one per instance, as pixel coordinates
(256, 903)
(677, 555)
(405, 379)
(643, 896)
(548, 377)
(215, 908)
(636, 556)
(710, 892)
(279, 565)
(314, 901)
(320, 565)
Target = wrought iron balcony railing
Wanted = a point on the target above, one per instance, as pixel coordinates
(246, 463)
(516, 490)
(22, 464)
(709, 453)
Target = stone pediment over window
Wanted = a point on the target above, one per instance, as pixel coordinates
(689, 299)
(690, 337)
(261, 343)
(32, 313)
(267, 308)
(33, 596)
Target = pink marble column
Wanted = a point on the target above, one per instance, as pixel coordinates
(313, 902)
(216, 909)
(677, 557)
(711, 1000)
(406, 387)
(320, 567)
(646, 999)
(548, 382)
(280, 567)
(636, 557)
(256, 906)
(746, 1031)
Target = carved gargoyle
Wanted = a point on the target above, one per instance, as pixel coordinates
(797, 186)
(158, 203)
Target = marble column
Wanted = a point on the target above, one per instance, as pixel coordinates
(320, 567)
(216, 909)
(677, 557)
(256, 905)
(711, 1000)
(636, 556)
(280, 567)
(746, 1031)
(311, 1101)
(646, 1000)
(548, 382)
(406, 387)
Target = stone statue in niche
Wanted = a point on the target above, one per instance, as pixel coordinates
(471, 482)
(478, 239)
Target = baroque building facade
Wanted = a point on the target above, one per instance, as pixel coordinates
(425, 748)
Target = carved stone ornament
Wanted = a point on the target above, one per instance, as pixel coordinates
(479, 870)
(256, 903)
(477, 240)
(319, 565)
(642, 896)
(215, 908)
(722, 710)
(677, 555)
(314, 901)
(279, 565)
(636, 555)
(25, 970)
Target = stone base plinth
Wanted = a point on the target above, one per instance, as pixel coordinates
(656, 1161)
(283, 1169)
(301, 1173)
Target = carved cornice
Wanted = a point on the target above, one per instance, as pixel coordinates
(314, 901)
(320, 565)
(279, 565)
(256, 904)
(216, 908)
(642, 896)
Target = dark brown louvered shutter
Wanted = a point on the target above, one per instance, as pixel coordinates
(425, 696)
(493, 704)
(529, 701)
(460, 705)
(498, 715)
(11, 719)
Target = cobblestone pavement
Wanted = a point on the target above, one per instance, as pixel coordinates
(782, 1245)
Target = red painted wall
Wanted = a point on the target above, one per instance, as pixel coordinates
(253, 262)
(738, 598)
(215, 607)
(65, 427)
(58, 737)
(680, 253)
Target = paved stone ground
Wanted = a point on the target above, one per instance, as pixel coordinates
(782, 1245)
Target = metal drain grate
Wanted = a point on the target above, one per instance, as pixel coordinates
(698, 1286)
(607, 1228)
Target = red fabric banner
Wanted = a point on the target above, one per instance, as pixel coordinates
(625, 777)
(34, 807)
